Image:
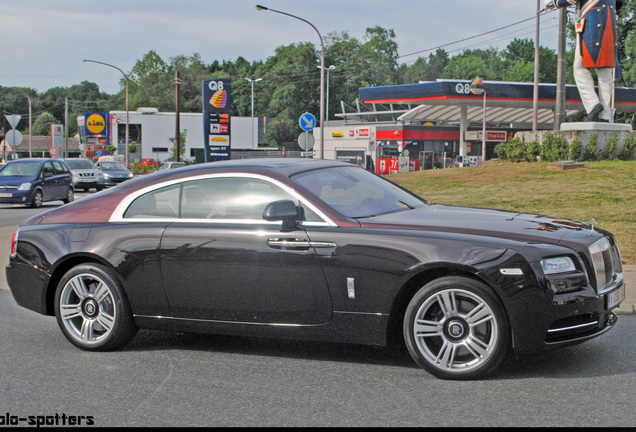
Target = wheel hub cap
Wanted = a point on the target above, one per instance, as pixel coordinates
(90, 308)
(456, 329)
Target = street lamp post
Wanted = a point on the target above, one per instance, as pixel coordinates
(127, 112)
(253, 81)
(330, 68)
(322, 76)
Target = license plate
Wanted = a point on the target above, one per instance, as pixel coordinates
(6, 195)
(616, 297)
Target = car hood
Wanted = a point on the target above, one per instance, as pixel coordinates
(16, 180)
(479, 221)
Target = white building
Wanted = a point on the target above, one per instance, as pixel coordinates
(152, 131)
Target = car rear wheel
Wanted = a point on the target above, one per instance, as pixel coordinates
(37, 199)
(92, 310)
(456, 329)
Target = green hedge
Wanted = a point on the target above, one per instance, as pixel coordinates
(556, 148)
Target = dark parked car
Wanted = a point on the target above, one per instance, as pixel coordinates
(319, 250)
(34, 181)
(114, 172)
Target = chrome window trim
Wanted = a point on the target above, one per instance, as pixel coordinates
(120, 210)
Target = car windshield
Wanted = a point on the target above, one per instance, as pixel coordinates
(21, 169)
(112, 166)
(79, 164)
(357, 193)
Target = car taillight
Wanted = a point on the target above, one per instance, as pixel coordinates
(14, 244)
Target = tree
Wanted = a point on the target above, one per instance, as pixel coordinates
(42, 125)
(466, 67)
(182, 145)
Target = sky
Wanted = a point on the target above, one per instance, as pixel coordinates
(45, 41)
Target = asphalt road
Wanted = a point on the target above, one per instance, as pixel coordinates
(166, 379)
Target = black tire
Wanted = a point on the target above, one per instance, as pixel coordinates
(92, 309)
(70, 196)
(36, 202)
(456, 329)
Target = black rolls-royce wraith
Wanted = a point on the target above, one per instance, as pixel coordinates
(318, 250)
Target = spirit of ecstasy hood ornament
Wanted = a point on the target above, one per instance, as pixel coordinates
(592, 224)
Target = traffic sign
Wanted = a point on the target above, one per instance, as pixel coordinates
(306, 141)
(13, 137)
(307, 122)
(13, 119)
(53, 151)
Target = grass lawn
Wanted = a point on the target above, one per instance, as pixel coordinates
(603, 191)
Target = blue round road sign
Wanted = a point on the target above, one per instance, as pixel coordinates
(307, 122)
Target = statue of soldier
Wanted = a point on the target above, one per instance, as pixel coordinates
(596, 48)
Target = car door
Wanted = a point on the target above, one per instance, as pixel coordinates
(221, 261)
(49, 182)
(62, 179)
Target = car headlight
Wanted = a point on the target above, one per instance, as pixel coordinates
(25, 186)
(557, 265)
(106, 176)
(130, 175)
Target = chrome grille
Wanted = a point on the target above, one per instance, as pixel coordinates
(607, 264)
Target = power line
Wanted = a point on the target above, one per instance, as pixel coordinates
(468, 38)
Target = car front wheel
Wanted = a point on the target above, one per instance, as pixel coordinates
(37, 199)
(92, 310)
(456, 329)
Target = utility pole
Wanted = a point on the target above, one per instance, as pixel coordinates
(535, 98)
(66, 127)
(177, 139)
(559, 111)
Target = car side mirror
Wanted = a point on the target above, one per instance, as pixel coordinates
(48, 174)
(285, 211)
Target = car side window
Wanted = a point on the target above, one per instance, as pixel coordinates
(59, 168)
(230, 198)
(161, 203)
(48, 168)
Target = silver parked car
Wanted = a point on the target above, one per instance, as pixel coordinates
(170, 165)
(114, 172)
(85, 174)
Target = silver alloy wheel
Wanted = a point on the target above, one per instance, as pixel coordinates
(87, 308)
(37, 199)
(455, 331)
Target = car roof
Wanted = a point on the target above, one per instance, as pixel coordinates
(38, 160)
(101, 205)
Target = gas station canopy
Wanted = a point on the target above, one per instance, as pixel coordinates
(506, 102)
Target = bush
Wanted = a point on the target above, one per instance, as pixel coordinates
(555, 148)
(591, 152)
(500, 150)
(611, 150)
(515, 150)
(576, 147)
(533, 151)
(627, 152)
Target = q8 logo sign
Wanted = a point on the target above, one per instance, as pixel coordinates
(217, 95)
